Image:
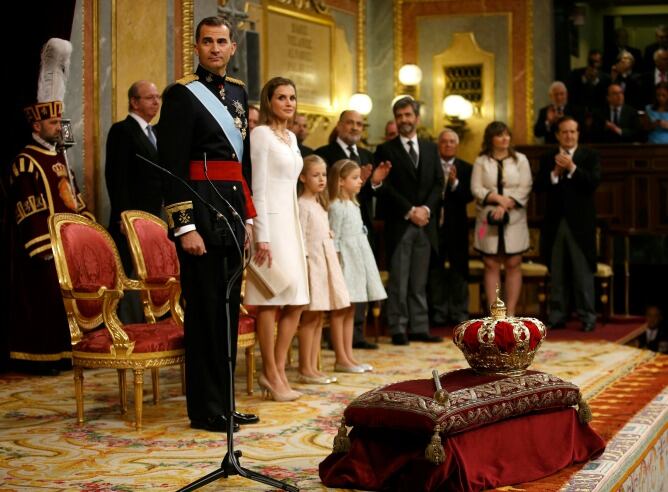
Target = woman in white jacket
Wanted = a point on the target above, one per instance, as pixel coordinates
(501, 183)
(277, 234)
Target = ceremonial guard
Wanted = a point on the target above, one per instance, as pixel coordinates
(41, 184)
(204, 140)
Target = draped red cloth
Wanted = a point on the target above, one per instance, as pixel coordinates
(516, 450)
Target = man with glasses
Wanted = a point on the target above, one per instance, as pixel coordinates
(132, 183)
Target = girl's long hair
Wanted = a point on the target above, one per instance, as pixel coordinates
(340, 170)
(321, 197)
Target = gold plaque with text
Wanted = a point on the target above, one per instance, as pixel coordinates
(299, 46)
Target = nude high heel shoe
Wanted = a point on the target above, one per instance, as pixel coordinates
(269, 393)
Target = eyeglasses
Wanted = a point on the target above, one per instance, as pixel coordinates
(150, 98)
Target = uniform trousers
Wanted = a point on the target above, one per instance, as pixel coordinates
(407, 310)
(571, 275)
(204, 282)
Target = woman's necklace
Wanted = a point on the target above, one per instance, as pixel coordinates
(283, 135)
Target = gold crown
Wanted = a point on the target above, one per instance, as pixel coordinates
(499, 344)
(60, 170)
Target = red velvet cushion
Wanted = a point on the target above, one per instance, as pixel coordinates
(90, 258)
(159, 252)
(246, 324)
(474, 400)
(513, 451)
(148, 337)
(159, 296)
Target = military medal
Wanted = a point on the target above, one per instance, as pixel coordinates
(222, 92)
(239, 108)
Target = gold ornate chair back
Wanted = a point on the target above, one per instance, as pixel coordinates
(92, 282)
(155, 262)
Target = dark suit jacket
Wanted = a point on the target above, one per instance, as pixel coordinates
(628, 122)
(407, 187)
(571, 199)
(586, 95)
(132, 184)
(611, 53)
(333, 152)
(454, 233)
(541, 130)
(304, 150)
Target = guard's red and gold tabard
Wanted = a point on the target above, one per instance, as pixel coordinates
(223, 171)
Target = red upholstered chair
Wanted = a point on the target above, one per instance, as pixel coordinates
(246, 341)
(92, 281)
(156, 265)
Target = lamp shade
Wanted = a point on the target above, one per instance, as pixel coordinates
(456, 106)
(361, 103)
(410, 75)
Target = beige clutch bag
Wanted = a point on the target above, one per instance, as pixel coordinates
(272, 279)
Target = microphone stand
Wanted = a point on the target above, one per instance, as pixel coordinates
(230, 464)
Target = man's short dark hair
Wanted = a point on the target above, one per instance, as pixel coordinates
(564, 119)
(216, 21)
(405, 102)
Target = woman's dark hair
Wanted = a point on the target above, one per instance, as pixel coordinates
(494, 129)
(660, 85)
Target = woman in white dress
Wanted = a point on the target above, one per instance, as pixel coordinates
(277, 233)
(501, 183)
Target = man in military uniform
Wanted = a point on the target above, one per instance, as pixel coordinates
(41, 184)
(204, 137)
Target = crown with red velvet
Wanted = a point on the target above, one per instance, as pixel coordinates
(499, 344)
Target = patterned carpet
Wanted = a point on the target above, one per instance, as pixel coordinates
(43, 449)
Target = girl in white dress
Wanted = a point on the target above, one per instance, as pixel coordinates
(326, 284)
(277, 234)
(357, 261)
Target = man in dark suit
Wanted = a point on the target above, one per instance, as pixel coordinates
(587, 86)
(660, 44)
(205, 115)
(448, 288)
(657, 73)
(133, 184)
(300, 129)
(348, 134)
(611, 54)
(548, 115)
(617, 122)
(409, 199)
(569, 176)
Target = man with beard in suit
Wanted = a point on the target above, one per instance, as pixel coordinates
(448, 288)
(348, 134)
(133, 184)
(569, 176)
(409, 199)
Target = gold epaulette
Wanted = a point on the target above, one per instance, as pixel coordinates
(235, 81)
(187, 79)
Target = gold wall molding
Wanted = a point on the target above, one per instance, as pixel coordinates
(361, 46)
(520, 32)
(317, 6)
(397, 10)
(91, 102)
(528, 58)
(187, 35)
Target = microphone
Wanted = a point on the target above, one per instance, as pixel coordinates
(210, 206)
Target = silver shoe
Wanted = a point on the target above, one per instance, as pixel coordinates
(366, 367)
(313, 379)
(352, 369)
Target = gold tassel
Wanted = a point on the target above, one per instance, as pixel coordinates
(584, 410)
(341, 440)
(435, 452)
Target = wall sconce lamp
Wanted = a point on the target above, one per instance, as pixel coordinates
(457, 110)
(410, 77)
(361, 103)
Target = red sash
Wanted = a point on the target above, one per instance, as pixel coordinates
(223, 171)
